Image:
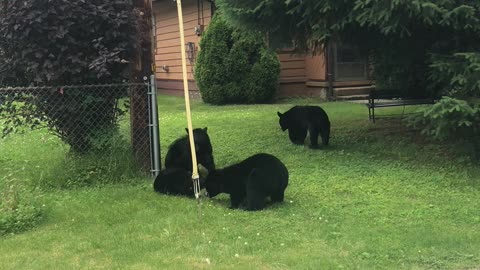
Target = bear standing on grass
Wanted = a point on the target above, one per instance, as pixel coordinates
(300, 119)
(176, 178)
(254, 179)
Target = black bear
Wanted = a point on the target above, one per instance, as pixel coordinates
(299, 119)
(255, 178)
(174, 181)
(179, 155)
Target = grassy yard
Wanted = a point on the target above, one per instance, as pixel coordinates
(380, 197)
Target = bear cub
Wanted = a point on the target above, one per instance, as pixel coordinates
(253, 179)
(300, 119)
(174, 181)
(179, 155)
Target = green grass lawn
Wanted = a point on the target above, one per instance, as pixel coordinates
(380, 197)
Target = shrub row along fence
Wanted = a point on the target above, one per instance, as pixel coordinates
(85, 117)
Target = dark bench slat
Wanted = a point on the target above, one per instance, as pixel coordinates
(393, 100)
(382, 104)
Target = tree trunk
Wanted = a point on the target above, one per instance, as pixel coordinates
(138, 97)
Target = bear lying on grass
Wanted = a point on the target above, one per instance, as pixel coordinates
(174, 181)
(299, 119)
(179, 155)
(255, 178)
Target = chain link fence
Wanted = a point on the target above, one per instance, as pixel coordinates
(86, 118)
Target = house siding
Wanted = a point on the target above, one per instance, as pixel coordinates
(300, 74)
(167, 37)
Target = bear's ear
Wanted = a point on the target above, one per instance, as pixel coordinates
(205, 129)
(186, 129)
(279, 114)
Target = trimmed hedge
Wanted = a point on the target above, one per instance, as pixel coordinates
(234, 66)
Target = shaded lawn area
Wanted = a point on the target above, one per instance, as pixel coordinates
(380, 197)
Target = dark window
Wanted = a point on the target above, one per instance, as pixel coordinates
(349, 63)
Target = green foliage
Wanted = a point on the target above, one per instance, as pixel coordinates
(234, 66)
(312, 22)
(54, 43)
(404, 72)
(451, 119)
(459, 74)
(19, 210)
(401, 35)
(65, 42)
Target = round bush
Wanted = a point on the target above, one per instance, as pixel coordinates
(234, 66)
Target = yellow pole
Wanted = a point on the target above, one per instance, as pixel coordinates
(195, 177)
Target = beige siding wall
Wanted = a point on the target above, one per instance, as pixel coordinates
(168, 52)
(292, 67)
(315, 67)
(297, 70)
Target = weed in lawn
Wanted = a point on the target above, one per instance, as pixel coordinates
(19, 207)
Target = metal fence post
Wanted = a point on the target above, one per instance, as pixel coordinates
(154, 128)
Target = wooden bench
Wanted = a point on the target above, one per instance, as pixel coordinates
(383, 99)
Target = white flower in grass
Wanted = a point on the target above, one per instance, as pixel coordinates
(258, 233)
(239, 237)
(207, 260)
(236, 255)
(282, 244)
(246, 243)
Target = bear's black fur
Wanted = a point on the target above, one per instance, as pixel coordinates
(174, 181)
(179, 155)
(255, 178)
(299, 119)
